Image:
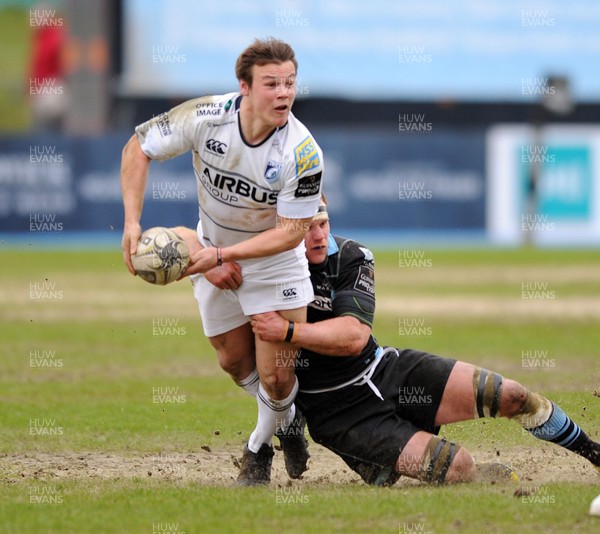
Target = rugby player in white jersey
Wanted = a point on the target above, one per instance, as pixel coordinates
(258, 171)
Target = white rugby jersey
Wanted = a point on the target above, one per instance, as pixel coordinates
(241, 187)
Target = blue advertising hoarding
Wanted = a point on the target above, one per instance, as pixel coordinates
(375, 180)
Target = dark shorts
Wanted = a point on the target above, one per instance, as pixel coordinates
(369, 433)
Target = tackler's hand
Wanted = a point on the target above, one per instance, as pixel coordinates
(269, 326)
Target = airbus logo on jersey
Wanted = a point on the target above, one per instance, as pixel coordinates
(216, 147)
(233, 188)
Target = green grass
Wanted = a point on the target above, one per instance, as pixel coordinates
(507, 257)
(15, 46)
(101, 396)
(140, 505)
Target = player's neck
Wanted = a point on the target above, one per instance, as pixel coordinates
(253, 128)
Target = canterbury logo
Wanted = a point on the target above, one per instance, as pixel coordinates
(216, 146)
(288, 293)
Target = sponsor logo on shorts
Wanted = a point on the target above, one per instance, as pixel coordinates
(287, 291)
(308, 186)
(307, 156)
(216, 147)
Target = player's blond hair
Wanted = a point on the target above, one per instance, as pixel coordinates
(262, 52)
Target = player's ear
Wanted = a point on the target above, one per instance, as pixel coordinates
(244, 87)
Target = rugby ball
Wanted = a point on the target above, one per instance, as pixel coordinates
(595, 506)
(161, 256)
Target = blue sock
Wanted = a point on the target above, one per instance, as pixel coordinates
(560, 429)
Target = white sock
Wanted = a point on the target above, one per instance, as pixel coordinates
(250, 383)
(271, 415)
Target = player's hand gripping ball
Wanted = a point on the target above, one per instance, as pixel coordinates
(161, 256)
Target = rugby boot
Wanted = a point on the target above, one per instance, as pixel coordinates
(495, 472)
(256, 467)
(295, 446)
(375, 475)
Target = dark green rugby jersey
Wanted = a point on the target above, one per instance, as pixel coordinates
(343, 285)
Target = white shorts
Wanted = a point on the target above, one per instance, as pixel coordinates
(269, 284)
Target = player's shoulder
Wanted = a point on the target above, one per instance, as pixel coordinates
(298, 133)
(351, 251)
(211, 107)
(217, 100)
(353, 267)
(304, 150)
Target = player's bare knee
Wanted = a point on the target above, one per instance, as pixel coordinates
(514, 396)
(218, 342)
(462, 468)
(237, 364)
(231, 366)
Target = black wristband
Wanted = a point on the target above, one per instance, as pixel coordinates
(219, 257)
(290, 332)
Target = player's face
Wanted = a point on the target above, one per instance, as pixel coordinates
(316, 241)
(272, 92)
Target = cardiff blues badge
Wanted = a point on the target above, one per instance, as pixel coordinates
(273, 171)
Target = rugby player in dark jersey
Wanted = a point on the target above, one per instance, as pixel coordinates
(380, 408)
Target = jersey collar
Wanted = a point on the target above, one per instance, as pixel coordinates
(332, 247)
